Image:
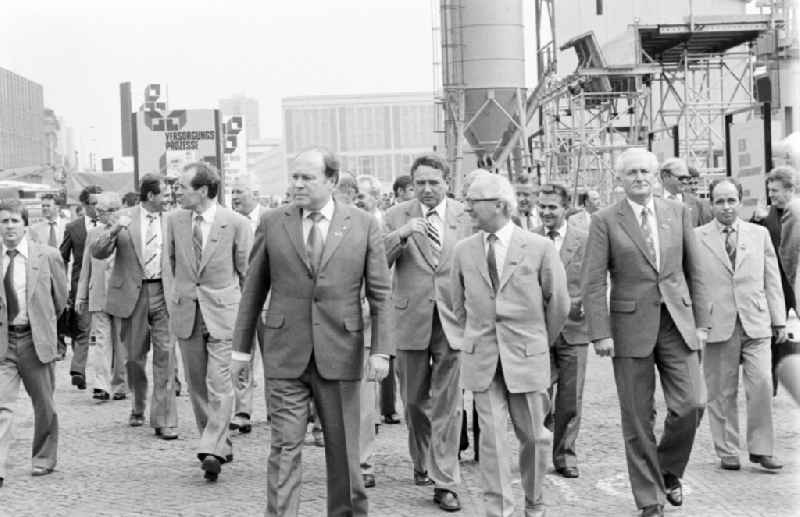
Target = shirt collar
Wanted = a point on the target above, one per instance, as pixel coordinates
(734, 225)
(253, 215)
(22, 247)
(440, 209)
(562, 230)
(209, 213)
(503, 234)
(326, 211)
(637, 208)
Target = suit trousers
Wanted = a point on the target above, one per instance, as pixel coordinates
(721, 367)
(243, 396)
(684, 394)
(570, 364)
(103, 336)
(528, 411)
(369, 419)
(207, 368)
(431, 391)
(388, 389)
(149, 323)
(21, 362)
(337, 404)
(80, 343)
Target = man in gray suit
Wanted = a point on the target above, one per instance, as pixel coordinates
(510, 297)
(657, 316)
(676, 180)
(206, 247)
(137, 295)
(420, 238)
(744, 284)
(570, 349)
(314, 256)
(33, 297)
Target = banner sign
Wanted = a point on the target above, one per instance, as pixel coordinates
(748, 163)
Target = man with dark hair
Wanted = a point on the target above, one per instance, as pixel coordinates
(72, 246)
(34, 295)
(403, 188)
(589, 202)
(207, 248)
(420, 238)
(130, 199)
(744, 287)
(138, 289)
(570, 349)
(313, 257)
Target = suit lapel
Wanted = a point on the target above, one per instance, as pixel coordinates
(294, 229)
(221, 222)
(135, 233)
(451, 227)
(34, 265)
(340, 225)
(480, 253)
(742, 245)
(184, 238)
(415, 210)
(568, 248)
(627, 220)
(664, 222)
(516, 248)
(713, 240)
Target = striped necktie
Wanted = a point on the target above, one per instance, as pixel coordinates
(315, 243)
(434, 238)
(648, 235)
(491, 262)
(730, 244)
(152, 248)
(197, 239)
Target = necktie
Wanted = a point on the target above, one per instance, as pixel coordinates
(648, 236)
(53, 240)
(434, 239)
(315, 243)
(197, 238)
(491, 262)
(152, 248)
(553, 234)
(730, 244)
(12, 303)
(94, 222)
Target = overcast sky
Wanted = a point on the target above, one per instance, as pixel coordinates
(80, 50)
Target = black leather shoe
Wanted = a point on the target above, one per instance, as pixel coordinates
(78, 381)
(422, 479)
(241, 421)
(136, 420)
(41, 471)
(446, 499)
(568, 472)
(167, 433)
(768, 462)
(674, 490)
(101, 395)
(730, 463)
(1, 482)
(119, 396)
(391, 419)
(211, 466)
(654, 510)
(369, 480)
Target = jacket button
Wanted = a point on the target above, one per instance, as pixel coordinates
(316, 299)
(197, 284)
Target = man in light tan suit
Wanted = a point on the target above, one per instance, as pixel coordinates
(207, 246)
(509, 292)
(33, 296)
(744, 286)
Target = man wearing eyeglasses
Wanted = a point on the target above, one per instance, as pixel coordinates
(677, 181)
(526, 216)
(657, 316)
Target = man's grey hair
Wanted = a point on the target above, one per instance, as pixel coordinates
(635, 152)
(495, 186)
(109, 199)
(374, 186)
(673, 165)
(242, 181)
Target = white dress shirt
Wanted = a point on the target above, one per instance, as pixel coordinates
(20, 279)
(324, 224)
(652, 222)
(500, 245)
(559, 240)
(208, 219)
(152, 270)
(89, 224)
(253, 217)
(676, 197)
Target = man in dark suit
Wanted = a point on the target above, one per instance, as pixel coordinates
(72, 246)
(657, 315)
(676, 179)
(313, 256)
(34, 294)
(570, 349)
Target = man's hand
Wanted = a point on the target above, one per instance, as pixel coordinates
(780, 334)
(604, 347)
(240, 373)
(576, 311)
(416, 224)
(702, 337)
(377, 368)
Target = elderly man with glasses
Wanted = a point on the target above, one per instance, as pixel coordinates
(677, 182)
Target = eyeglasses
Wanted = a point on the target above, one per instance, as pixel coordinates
(472, 201)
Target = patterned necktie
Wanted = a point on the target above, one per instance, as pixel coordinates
(491, 262)
(730, 244)
(315, 242)
(197, 238)
(553, 234)
(152, 248)
(648, 236)
(434, 239)
(12, 303)
(53, 240)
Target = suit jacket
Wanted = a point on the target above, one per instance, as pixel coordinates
(773, 222)
(516, 326)
(581, 219)
(751, 291)
(417, 283)
(699, 209)
(322, 313)
(40, 232)
(95, 273)
(522, 221)
(573, 249)
(46, 297)
(216, 284)
(72, 245)
(127, 273)
(631, 317)
(789, 252)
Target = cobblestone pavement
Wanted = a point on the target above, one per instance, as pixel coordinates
(108, 468)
